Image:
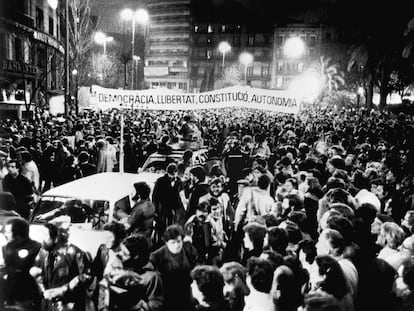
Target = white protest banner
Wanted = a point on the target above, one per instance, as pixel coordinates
(165, 99)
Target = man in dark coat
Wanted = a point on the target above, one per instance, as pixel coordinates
(86, 168)
(20, 187)
(64, 271)
(200, 188)
(21, 289)
(167, 201)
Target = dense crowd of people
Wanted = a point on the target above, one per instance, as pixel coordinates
(290, 212)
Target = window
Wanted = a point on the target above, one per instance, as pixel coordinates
(51, 26)
(39, 18)
(209, 53)
(265, 71)
(209, 29)
(182, 86)
(223, 28)
(171, 85)
(236, 40)
(300, 67)
(3, 46)
(279, 81)
(312, 40)
(195, 28)
(280, 67)
(249, 71)
(250, 40)
(281, 39)
(18, 49)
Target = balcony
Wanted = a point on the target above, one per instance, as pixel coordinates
(17, 16)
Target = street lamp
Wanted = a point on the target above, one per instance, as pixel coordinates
(246, 59)
(135, 58)
(294, 47)
(54, 4)
(224, 47)
(102, 38)
(140, 16)
(75, 73)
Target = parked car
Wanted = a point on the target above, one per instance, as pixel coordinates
(90, 202)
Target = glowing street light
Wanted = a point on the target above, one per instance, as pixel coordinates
(294, 47)
(224, 47)
(102, 38)
(245, 59)
(140, 16)
(307, 86)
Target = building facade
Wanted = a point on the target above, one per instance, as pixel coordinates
(168, 44)
(317, 41)
(31, 51)
(208, 70)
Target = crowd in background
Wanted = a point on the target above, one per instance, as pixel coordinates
(311, 212)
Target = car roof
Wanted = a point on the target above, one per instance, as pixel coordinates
(103, 186)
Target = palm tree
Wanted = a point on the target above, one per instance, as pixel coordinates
(331, 77)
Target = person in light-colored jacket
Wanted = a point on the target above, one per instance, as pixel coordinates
(254, 201)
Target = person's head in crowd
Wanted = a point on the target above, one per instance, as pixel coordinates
(57, 234)
(408, 274)
(259, 275)
(216, 211)
(391, 235)
(330, 242)
(407, 222)
(216, 186)
(291, 184)
(278, 239)
(202, 211)
(216, 171)
(281, 177)
(263, 182)
(207, 286)
(344, 209)
(172, 170)
(314, 172)
(294, 233)
(83, 157)
(320, 301)
(273, 257)
(187, 155)
(197, 174)
(13, 167)
(235, 286)
(338, 195)
(299, 218)
(138, 251)
(17, 229)
(7, 201)
(116, 233)
(271, 220)
(344, 226)
(247, 141)
(334, 163)
(142, 191)
(367, 212)
(379, 220)
(254, 235)
(379, 188)
(173, 238)
(306, 251)
(330, 277)
(292, 202)
(323, 222)
(313, 187)
(359, 180)
(341, 174)
(333, 183)
(285, 289)
(26, 157)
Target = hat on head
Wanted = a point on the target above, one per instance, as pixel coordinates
(365, 196)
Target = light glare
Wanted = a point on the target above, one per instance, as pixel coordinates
(293, 47)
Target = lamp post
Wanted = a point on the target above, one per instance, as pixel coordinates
(135, 59)
(75, 73)
(141, 16)
(102, 38)
(53, 4)
(224, 47)
(246, 59)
